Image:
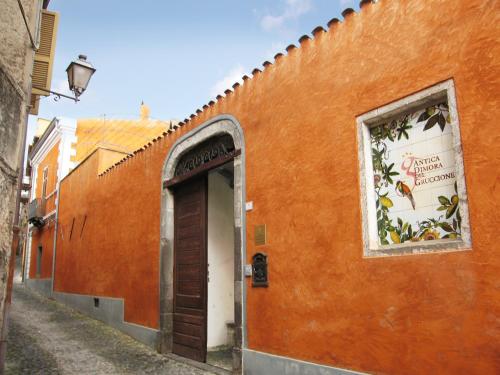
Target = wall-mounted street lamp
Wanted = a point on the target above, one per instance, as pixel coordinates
(79, 73)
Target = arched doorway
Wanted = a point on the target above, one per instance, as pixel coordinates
(203, 178)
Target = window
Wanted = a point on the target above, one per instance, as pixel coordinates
(413, 186)
(39, 261)
(44, 183)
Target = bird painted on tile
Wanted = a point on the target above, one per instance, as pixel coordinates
(405, 191)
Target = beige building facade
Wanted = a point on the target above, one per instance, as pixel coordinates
(22, 43)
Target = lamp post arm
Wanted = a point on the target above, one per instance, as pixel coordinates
(57, 94)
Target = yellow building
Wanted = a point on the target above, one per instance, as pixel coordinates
(123, 136)
(59, 146)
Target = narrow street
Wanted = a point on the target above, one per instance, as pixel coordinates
(46, 337)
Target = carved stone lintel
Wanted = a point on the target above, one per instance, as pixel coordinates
(207, 151)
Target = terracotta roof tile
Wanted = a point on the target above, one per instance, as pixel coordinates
(332, 22)
(362, 3)
(303, 38)
(317, 30)
(348, 11)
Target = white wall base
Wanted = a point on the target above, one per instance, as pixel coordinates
(258, 363)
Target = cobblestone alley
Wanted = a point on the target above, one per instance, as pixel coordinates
(46, 337)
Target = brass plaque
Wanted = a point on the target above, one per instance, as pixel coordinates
(260, 234)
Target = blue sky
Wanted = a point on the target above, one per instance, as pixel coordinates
(174, 55)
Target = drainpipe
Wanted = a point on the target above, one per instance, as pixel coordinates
(55, 242)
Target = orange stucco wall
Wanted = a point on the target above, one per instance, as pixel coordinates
(116, 252)
(50, 161)
(45, 236)
(420, 314)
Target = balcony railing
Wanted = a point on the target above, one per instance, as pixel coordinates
(36, 212)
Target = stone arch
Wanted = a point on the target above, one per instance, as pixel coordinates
(219, 125)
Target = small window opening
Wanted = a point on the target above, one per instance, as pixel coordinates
(44, 182)
(39, 261)
(96, 302)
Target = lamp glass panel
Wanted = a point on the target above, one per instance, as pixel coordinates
(69, 70)
(81, 76)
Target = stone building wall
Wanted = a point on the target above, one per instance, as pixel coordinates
(16, 54)
(16, 63)
(10, 104)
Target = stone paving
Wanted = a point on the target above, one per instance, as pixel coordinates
(46, 337)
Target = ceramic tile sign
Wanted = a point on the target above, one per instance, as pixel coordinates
(414, 177)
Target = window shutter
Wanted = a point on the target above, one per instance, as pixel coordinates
(44, 57)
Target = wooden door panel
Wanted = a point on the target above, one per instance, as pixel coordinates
(187, 340)
(190, 287)
(191, 211)
(187, 318)
(188, 273)
(192, 302)
(188, 329)
(190, 270)
(188, 352)
(190, 232)
(188, 256)
(189, 311)
(189, 244)
(186, 220)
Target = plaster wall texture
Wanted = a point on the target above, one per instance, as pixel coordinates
(115, 254)
(16, 54)
(109, 157)
(69, 142)
(7, 203)
(51, 162)
(118, 134)
(44, 236)
(220, 249)
(10, 116)
(11, 105)
(326, 303)
(16, 61)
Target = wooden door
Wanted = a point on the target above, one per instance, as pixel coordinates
(190, 270)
